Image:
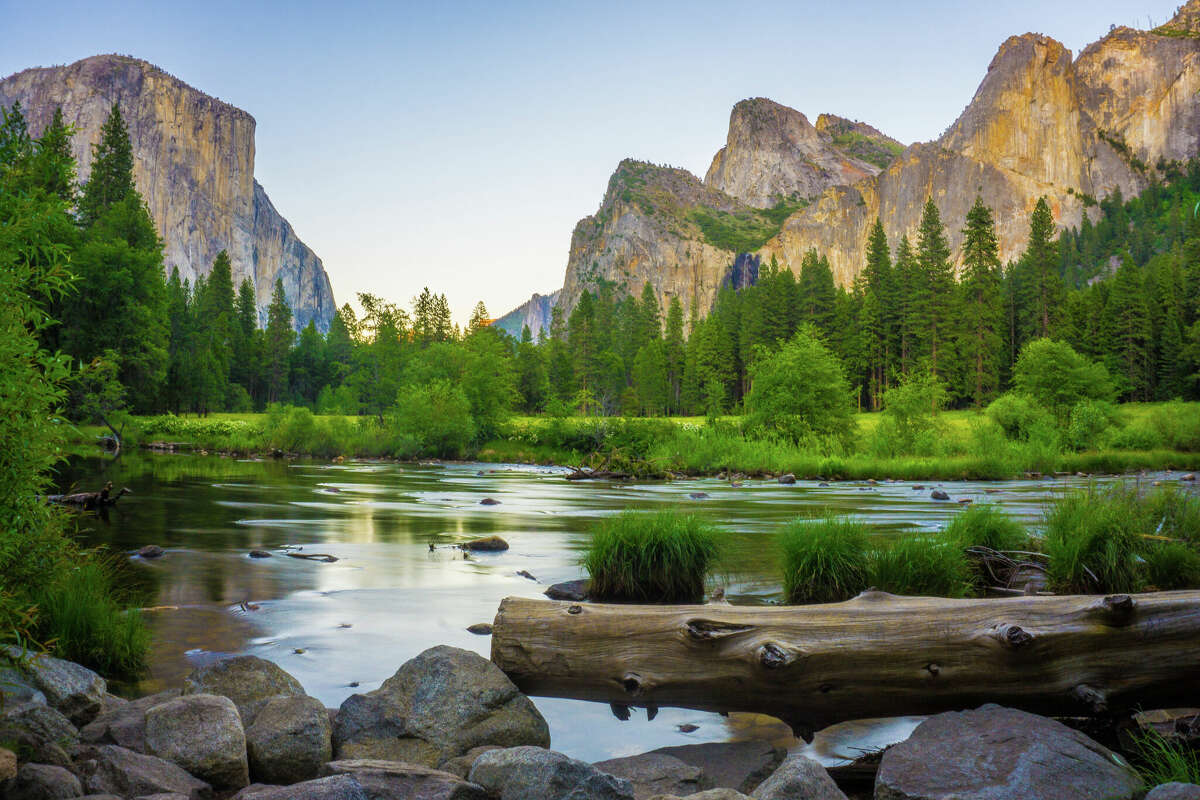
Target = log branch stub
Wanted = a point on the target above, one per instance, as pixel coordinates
(1095, 700)
(1012, 636)
(1118, 605)
(772, 656)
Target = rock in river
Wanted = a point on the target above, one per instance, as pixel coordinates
(656, 773)
(938, 494)
(995, 752)
(437, 706)
(488, 544)
(568, 590)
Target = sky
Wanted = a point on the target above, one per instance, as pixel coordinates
(455, 145)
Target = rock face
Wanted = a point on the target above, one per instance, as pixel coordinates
(774, 153)
(534, 312)
(533, 773)
(193, 164)
(1041, 123)
(436, 707)
(995, 752)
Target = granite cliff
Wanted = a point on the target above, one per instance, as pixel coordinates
(194, 165)
(534, 312)
(1040, 123)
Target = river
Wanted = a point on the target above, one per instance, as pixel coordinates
(345, 627)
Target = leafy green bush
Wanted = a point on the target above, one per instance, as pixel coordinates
(437, 416)
(1020, 416)
(985, 525)
(1092, 539)
(824, 560)
(1178, 426)
(800, 390)
(1089, 422)
(660, 557)
(910, 425)
(1171, 565)
(1057, 377)
(925, 565)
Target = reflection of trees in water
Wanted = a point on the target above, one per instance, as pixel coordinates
(759, 727)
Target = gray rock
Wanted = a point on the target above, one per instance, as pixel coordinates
(533, 773)
(995, 752)
(707, 794)
(656, 773)
(568, 590)
(787, 479)
(461, 765)
(730, 765)
(34, 749)
(1175, 791)
(203, 734)
(42, 782)
(75, 691)
(41, 722)
(249, 681)
(480, 629)
(396, 780)
(335, 787)
(938, 494)
(289, 740)
(125, 725)
(798, 776)
(108, 769)
(437, 706)
(487, 544)
(16, 688)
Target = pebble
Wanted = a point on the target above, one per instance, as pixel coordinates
(150, 551)
(687, 727)
(489, 501)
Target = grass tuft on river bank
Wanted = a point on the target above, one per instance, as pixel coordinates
(823, 560)
(660, 557)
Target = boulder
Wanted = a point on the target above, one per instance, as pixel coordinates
(534, 773)
(203, 734)
(488, 544)
(42, 723)
(730, 765)
(1175, 791)
(396, 780)
(108, 769)
(437, 706)
(249, 681)
(461, 765)
(938, 494)
(289, 740)
(33, 748)
(787, 479)
(8, 764)
(75, 691)
(150, 551)
(335, 787)
(994, 752)
(42, 782)
(656, 773)
(125, 725)
(16, 688)
(568, 590)
(798, 776)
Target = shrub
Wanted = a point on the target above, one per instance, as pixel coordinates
(1092, 539)
(660, 557)
(1173, 513)
(927, 565)
(800, 390)
(986, 525)
(824, 560)
(909, 423)
(1056, 376)
(437, 415)
(1171, 565)
(1020, 416)
(1178, 425)
(1089, 421)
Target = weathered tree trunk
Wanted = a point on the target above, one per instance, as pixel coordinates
(876, 655)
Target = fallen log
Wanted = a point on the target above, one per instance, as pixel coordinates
(584, 474)
(90, 500)
(877, 655)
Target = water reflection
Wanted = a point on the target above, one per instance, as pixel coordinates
(387, 597)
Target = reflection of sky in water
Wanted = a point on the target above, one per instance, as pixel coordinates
(388, 597)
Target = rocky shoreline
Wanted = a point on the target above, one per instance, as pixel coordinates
(449, 725)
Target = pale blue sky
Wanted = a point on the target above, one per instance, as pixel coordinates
(456, 144)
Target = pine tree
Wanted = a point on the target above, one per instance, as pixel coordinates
(277, 344)
(216, 333)
(532, 382)
(935, 285)
(674, 352)
(878, 314)
(1042, 290)
(479, 318)
(982, 313)
(649, 316)
(909, 319)
(53, 164)
(111, 179)
(1128, 334)
(650, 378)
(559, 363)
(817, 292)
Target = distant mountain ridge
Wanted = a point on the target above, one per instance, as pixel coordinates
(1040, 123)
(193, 164)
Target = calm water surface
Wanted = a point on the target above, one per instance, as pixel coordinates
(388, 597)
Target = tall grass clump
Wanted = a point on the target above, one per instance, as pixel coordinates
(1092, 539)
(927, 565)
(660, 557)
(1161, 760)
(986, 525)
(84, 614)
(824, 560)
(1171, 565)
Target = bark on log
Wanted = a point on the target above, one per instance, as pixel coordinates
(874, 656)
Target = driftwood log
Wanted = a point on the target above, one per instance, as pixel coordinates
(874, 656)
(90, 500)
(585, 474)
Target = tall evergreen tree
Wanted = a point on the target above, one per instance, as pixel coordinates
(1128, 334)
(982, 317)
(277, 344)
(111, 179)
(674, 352)
(878, 321)
(532, 381)
(935, 285)
(817, 292)
(1042, 288)
(909, 319)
